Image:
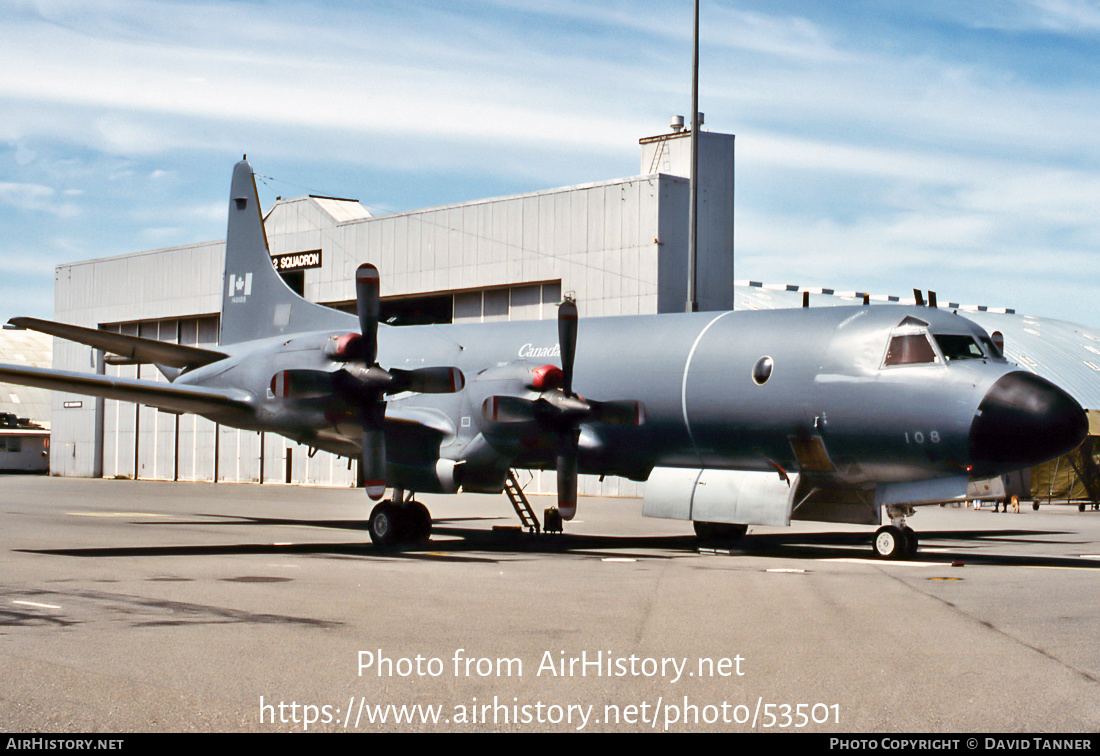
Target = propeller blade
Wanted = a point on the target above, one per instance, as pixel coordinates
(372, 417)
(302, 384)
(508, 409)
(567, 475)
(433, 380)
(374, 463)
(367, 284)
(567, 342)
(623, 412)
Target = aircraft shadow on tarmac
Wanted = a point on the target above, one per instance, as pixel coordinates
(468, 540)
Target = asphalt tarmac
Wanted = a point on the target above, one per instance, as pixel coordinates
(147, 606)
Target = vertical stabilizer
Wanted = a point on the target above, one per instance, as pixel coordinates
(256, 302)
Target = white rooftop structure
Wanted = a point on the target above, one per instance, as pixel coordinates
(33, 349)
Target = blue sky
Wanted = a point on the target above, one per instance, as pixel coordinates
(881, 146)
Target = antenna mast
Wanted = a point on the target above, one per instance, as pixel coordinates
(693, 201)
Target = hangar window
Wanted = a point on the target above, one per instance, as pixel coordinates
(910, 349)
(958, 347)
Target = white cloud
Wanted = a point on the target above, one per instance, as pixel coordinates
(791, 38)
(903, 147)
(35, 198)
(1066, 16)
(326, 82)
(32, 264)
(24, 195)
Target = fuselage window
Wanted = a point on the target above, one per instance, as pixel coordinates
(959, 347)
(910, 349)
(762, 370)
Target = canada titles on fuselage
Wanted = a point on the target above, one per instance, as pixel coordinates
(530, 351)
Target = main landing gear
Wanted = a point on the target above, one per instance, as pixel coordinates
(896, 540)
(399, 521)
(719, 533)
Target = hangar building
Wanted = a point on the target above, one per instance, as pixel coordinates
(25, 410)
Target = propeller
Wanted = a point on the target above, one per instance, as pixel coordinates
(362, 383)
(561, 412)
(372, 409)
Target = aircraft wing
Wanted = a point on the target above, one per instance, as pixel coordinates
(419, 420)
(416, 435)
(132, 348)
(416, 432)
(166, 396)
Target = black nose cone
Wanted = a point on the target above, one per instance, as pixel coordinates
(1022, 421)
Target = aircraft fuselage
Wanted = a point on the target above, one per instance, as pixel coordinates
(786, 390)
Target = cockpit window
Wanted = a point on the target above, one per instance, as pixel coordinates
(958, 347)
(910, 349)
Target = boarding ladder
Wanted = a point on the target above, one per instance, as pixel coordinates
(520, 504)
(1084, 464)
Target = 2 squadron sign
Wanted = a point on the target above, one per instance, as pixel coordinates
(296, 261)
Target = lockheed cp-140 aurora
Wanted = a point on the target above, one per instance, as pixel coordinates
(734, 419)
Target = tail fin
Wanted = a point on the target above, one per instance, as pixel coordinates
(256, 302)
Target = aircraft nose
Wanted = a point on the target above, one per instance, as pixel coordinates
(1024, 420)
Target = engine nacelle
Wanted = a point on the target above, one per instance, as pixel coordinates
(344, 348)
(545, 378)
(727, 496)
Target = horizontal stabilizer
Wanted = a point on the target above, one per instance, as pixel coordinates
(132, 348)
(166, 396)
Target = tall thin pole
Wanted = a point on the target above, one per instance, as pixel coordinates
(693, 200)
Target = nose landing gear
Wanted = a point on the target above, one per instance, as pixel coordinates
(896, 540)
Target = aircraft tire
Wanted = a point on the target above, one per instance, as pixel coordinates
(711, 532)
(386, 525)
(889, 542)
(912, 541)
(420, 522)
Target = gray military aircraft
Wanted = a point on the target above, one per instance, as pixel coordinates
(734, 419)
